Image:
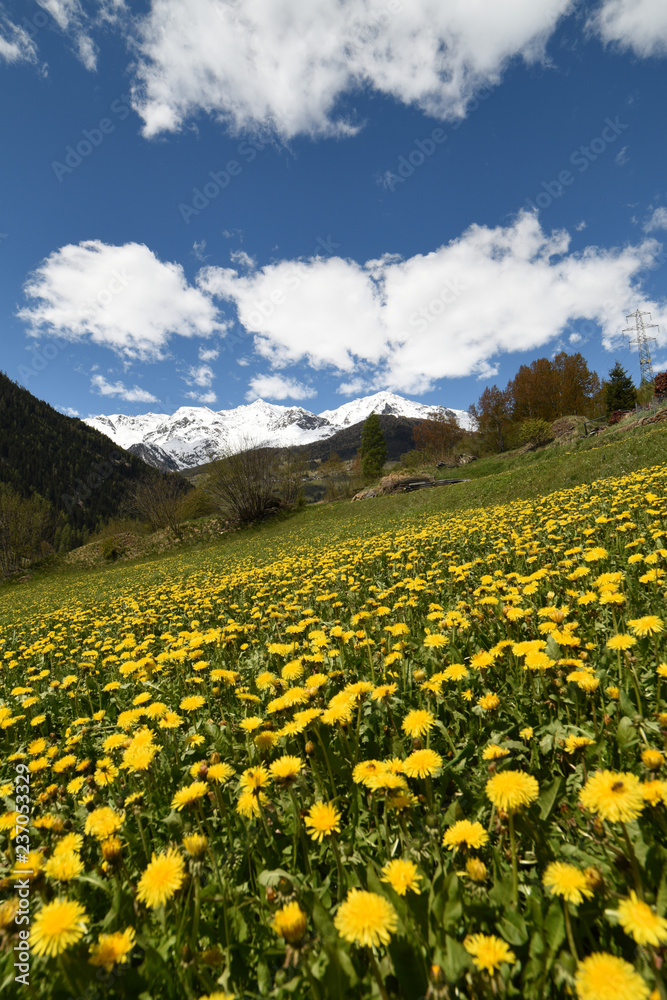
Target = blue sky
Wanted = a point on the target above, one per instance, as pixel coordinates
(212, 202)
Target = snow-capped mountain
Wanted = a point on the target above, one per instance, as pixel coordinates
(196, 434)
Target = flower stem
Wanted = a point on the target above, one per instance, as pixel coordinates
(633, 861)
(378, 976)
(515, 867)
(568, 931)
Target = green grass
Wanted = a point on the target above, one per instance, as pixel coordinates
(494, 480)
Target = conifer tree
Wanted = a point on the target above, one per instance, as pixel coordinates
(619, 391)
(373, 448)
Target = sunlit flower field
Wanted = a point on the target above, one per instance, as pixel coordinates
(425, 764)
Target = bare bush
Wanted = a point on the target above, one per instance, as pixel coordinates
(158, 499)
(245, 486)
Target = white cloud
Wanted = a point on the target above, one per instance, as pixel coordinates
(208, 353)
(658, 220)
(120, 297)
(575, 338)
(408, 323)
(580, 226)
(622, 157)
(285, 64)
(199, 250)
(278, 387)
(69, 411)
(15, 43)
(133, 395)
(73, 20)
(637, 24)
(205, 398)
(353, 387)
(201, 375)
(240, 257)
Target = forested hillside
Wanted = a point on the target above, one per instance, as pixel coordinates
(80, 472)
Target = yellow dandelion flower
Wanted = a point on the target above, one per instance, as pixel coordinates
(254, 778)
(250, 724)
(64, 866)
(189, 795)
(648, 625)
(285, 769)
(563, 879)
(494, 752)
(365, 918)
(162, 878)
(511, 790)
(639, 921)
(111, 949)
(465, 834)
(574, 743)
(422, 763)
(322, 819)
(103, 822)
(417, 722)
(488, 952)
(607, 977)
(401, 876)
(435, 641)
(220, 773)
(654, 792)
(619, 642)
(192, 702)
(613, 795)
(489, 702)
(57, 926)
(249, 804)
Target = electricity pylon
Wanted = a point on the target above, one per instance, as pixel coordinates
(642, 342)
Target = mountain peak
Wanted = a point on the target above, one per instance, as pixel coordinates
(196, 434)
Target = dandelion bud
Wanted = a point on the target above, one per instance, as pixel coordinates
(215, 758)
(419, 675)
(594, 878)
(437, 975)
(310, 747)
(476, 869)
(202, 772)
(111, 849)
(290, 923)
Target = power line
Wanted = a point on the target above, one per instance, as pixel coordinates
(642, 342)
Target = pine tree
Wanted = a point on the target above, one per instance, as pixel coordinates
(619, 391)
(373, 448)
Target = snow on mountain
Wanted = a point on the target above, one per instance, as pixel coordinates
(382, 402)
(196, 434)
